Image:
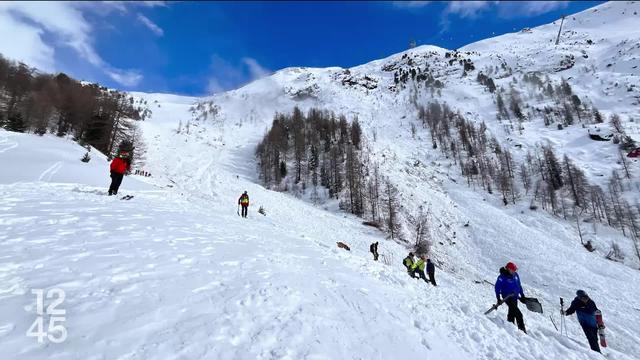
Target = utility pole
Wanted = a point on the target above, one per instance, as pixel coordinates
(560, 31)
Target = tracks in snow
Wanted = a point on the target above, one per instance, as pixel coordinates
(50, 172)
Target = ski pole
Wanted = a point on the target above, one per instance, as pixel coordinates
(553, 322)
(238, 211)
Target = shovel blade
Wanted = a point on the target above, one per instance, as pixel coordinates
(533, 305)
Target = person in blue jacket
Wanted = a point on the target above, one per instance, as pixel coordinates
(508, 286)
(585, 309)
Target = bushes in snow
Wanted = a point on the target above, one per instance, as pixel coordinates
(486, 81)
(561, 105)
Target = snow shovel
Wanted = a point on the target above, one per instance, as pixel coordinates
(533, 305)
(494, 307)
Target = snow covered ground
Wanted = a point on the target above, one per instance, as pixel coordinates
(175, 273)
(27, 158)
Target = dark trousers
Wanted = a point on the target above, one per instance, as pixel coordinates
(116, 180)
(420, 274)
(245, 209)
(592, 336)
(375, 255)
(514, 314)
(409, 271)
(432, 278)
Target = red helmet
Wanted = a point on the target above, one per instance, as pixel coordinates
(511, 266)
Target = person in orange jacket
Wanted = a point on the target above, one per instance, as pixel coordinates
(119, 166)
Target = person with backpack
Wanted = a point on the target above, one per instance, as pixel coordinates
(418, 268)
(408, 263)
(585, 310)
(508, 286)
(373, 248)
(244, 202)
(431, 271)
(119, 166)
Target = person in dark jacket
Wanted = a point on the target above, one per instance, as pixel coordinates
(244, 202)
(119, 166)
(508, 286)
(373, 248)
(585, 309)
(408, 263)
(431, 270)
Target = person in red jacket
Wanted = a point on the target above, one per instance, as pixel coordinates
(119, 166)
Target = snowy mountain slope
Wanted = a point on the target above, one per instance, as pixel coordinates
(599, 52)
(29, 159)
(369, 92)
(176, 274)
(548, 250)
(167, 276)
(386, 111)
(237, 120)
(480, 249)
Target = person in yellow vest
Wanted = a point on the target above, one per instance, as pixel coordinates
(244, 202)
(408, 263)
(418, 268)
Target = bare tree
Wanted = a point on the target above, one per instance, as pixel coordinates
(391, 209)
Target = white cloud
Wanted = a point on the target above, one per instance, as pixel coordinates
(410, 4)
(227, 75)
(256, 71)
(513, 9)
(463, 9)
(125, 77)
(154, 3)
(25, 44)
(64, 24)
(106, 7)
(150, 24)
(214, 86)
(467, 9)
(504, 9)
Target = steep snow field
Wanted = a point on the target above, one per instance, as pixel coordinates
(177, 276)
(603, 46)
(175, 273)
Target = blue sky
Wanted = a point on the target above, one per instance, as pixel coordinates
(196, 48)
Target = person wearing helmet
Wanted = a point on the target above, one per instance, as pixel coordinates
(244, 202)
(585, 310)
(508, 286)
(119, 166)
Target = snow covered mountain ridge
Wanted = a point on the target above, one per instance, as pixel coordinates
(175, 274)
(576, 85)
